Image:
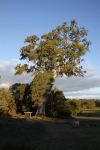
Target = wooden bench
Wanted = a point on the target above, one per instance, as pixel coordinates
(28, 115)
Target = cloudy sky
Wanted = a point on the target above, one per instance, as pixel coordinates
(22, 18)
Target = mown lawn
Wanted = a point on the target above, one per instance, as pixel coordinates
(34, 134)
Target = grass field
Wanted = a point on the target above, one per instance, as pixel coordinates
(20, 134)
(91, 112)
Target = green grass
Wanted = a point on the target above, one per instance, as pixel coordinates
(90, 113)
(20, 134)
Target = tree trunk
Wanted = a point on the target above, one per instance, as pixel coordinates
(41, 110)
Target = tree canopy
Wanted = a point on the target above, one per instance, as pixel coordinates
(60, 51)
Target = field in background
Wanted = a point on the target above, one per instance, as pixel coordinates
(90, 113)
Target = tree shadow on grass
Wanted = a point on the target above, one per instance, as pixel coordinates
(21, 134)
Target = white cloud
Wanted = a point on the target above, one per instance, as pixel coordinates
(7, 71)
(4, 85)
(88, 93)
(77, 84)
(80, 87)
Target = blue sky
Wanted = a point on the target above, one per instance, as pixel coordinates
(21, 18)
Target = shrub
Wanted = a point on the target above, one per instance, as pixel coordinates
(7, 104)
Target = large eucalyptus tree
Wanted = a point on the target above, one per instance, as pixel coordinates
(58, 52)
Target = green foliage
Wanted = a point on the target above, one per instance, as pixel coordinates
(61, 50)
(75, 107)
(58, 52)
(88, 104)
(7, 104)
(20, 90)
(21, 93)
(97, 102)
(41, 86)
(3, 104)
(56, 105)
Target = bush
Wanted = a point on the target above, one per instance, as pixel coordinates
(75, 107)
(7, 104)
(57, 105)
